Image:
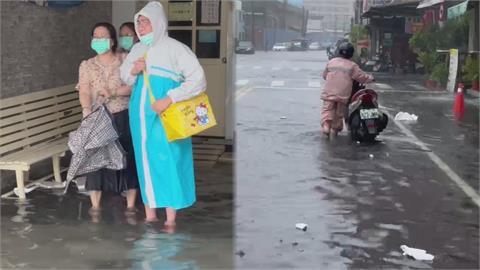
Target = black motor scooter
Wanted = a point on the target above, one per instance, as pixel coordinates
(364, 119)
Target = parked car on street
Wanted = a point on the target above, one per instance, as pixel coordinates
(332, 49)
(314, 46)
(324, 44)
(245, 47)
(282, 46)
(300, 44)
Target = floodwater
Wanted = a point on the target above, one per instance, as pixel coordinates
(51, 231)
(360, 201)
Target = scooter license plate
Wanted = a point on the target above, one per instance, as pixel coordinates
(372, 129)
(369, 114)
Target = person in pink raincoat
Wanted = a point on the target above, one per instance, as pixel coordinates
(339, 75)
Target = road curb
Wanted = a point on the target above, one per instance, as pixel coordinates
(473, 93)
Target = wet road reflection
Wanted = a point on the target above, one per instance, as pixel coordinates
(361, 201)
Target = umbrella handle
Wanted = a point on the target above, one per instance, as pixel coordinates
(102, 100)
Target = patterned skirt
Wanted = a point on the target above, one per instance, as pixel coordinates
(112, 180)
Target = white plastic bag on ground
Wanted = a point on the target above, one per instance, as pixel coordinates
(417, 254)
(404, 116)
(301, 226)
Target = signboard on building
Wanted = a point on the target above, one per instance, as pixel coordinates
(210, 12)
(453, 68)
(381, 3)
(364, 43)
(387, 40)
(56, 3)
(429, 18)
(366, 6)
(413, 25)
(442, 12)
(297, 3)
(180, 11)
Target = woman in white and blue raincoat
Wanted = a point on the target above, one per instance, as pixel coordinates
(165, 170)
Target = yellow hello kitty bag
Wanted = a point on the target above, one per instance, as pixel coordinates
(185, 118)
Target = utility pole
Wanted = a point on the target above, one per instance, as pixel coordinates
(335, 26)
(253, 23)
(306, 15)
(265, 37)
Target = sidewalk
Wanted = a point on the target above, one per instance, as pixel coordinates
(415, 83)
(407, 82)
(455, 142)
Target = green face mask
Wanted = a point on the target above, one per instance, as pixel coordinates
(100, 45)
(147, 39)
(126, 42)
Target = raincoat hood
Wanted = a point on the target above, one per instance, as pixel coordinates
(155, 13)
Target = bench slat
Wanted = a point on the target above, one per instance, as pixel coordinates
(36, 130)
(26, 116)
(21, 99)
(37, 105)
(37, 121)
(208, 151)
(33, 155)
(38, 138)
(205, 157)
(208, 146)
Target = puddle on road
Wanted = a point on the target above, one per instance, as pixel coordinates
(365, 193)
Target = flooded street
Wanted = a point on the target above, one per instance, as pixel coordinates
(235, 116)
(51, 231)
(361, 202)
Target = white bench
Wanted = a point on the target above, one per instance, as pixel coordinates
(35, 127)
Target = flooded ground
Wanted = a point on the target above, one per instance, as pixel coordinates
(51, 231)
(361, 202)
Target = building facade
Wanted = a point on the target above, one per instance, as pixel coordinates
(329, 20)
(268, 22)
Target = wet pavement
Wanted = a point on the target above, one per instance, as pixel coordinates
(361, 202)
(51, 231)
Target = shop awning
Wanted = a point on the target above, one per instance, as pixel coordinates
(429, 3)
(457, 10)
(395, 8)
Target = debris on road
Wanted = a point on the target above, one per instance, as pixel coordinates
(283, 117)
(240, 253)
(27, 190)
(417, 254)
(51, 184)
(301, 226)
(404, 116)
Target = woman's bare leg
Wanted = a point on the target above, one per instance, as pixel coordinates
(131, 197)
(171, 216)
(150, 214)
(95, 198)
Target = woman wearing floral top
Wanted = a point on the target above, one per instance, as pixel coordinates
(99, 81)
